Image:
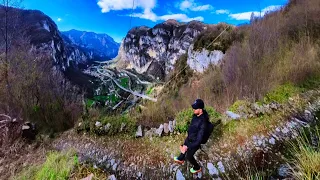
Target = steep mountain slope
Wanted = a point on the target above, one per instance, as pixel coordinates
(102, 46)
(40, 32)
(155, 50)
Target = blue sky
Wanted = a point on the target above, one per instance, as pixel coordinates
(116, 17)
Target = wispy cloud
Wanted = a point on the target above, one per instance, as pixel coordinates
(222, 11)
(116, 5)
(247, 15)
(192, 6)
(179, 17)
(59, 19)
(147, 7)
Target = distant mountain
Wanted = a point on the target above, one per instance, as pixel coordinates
(48, 42)
(102, 46)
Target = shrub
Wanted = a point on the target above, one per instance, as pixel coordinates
(115, 121)
(213, 38)
(184, 117)
(281, 93)
(306, 163)
(235, 107)
(183, 120)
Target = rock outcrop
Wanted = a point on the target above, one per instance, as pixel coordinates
(155, 50)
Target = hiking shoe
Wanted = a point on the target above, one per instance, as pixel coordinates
(177, 160)
(193, 171)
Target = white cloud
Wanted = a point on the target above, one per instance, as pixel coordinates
(179, 17)
(222, 11)
(192, 6)
(147, 7)
(116, 5)
(59, 19)
(271, 8)
(244, 15)
(247, 15)
(147, 14)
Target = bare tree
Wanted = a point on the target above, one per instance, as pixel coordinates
(8, 27)
(8, 24)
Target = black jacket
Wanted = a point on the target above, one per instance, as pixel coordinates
(196, 130)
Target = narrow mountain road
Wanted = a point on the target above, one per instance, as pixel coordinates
(125, 89)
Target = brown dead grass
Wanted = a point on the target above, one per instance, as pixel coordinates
(19, 155)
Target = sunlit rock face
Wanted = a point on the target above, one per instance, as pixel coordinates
(155, 50)
(200, 60)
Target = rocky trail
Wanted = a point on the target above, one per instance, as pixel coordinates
(150, 157)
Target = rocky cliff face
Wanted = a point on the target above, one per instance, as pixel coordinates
(41, 33)
(200, 60)
(45, 37)
(155, 50)
(101, 46)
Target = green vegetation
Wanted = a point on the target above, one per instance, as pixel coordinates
(57, 166)
(178, 77)
(100, 98)
(239, 103)
(184, 117)
(89, 102)
(110, 124)
(219, 37)
(124, 82)
(306, 162)
(281, 94)
(311, 83)
(149, 91)
(116, 121)
(60, 166)
(113, 98)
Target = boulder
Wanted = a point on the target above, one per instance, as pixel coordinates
(112, 177)
(166, 128)
(107, 127)
(221, 167)
(123, 125)
(139, 132)
(98, 124)
(171, 128)
(233, 115)
(212, 169)
(29, 131)
(159, 130)
(179, 175)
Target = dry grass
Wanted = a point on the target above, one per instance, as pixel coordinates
(83, 171)
(56, 166)
(18, 156)
(306, 163)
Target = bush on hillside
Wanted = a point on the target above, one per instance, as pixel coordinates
(179, 76)
(235, 107)
(183, 118)
(110, 124)
(37, 93)
(219, 37)
(281, 94)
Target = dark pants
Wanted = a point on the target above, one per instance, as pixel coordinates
(189, 156)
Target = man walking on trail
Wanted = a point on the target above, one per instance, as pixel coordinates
(196, 133)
